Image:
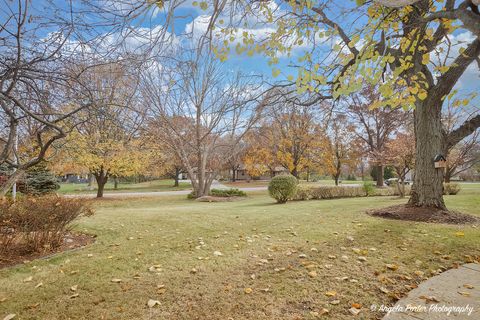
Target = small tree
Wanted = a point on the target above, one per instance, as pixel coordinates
(39, 180)
(401, 155)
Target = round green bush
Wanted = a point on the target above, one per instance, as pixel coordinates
(283, 188)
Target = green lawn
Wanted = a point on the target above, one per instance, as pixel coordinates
(262, 246)
(149, 186)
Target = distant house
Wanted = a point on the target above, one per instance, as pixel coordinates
(242, 174)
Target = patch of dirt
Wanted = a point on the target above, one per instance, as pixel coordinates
(71, 241)
(423, 214)
(218, 199)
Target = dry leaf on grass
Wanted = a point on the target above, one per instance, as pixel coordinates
(354, 311)
(74, 288)
(29, 279)
(331, 293)
(248, 290)
(468, 286)
(10, 316)
(115, 280)
(152, 303)
(391, 266)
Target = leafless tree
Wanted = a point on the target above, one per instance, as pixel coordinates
(200, 107)
(466, 153)
(41, 45)
(374, 127)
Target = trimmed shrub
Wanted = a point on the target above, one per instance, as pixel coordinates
(37, 224)
(303, 193)
(283, 188)
(335, 192)
(451, 188)
(391, 191)
(233, 192)
(368, 188)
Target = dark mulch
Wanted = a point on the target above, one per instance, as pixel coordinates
(423, 214)
(20, 255)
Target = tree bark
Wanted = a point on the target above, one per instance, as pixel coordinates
(295, 172)
(234, 174)
(427, 190)
(448, 175)
(336, 177)
(10, 182)
(177, 173)
(115, 183)
(101, 177)
(380, 173)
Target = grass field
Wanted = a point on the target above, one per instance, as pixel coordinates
(277, 261)
(149, 186)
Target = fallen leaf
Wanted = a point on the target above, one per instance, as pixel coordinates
(10, 316)
(33, 306)
(248, 290)
(323, 311)
(468, 286)
(73, 296)
(459, 234)
(331, 293)
(429, 299)
(391, 266)
(74, 288)
(335, 302)
(312, 274)
(29, 279)
(115, 280)
(465, 294)
(39, 285)
(152, 303)
(354, 311)
(217, 254)
(384, 290)
(357, 305)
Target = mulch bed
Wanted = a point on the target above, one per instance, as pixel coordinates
(423, 214)
(18, 256)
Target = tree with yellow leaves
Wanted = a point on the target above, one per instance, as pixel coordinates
(106, 142)
(340, 148)
(288, 136)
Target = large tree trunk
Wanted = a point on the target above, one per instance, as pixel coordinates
(295, 172)
(427, 190)
(448, 175)
(102, 179)
(336, 177)
(10, 182)
(380, 173)
(177, 174)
